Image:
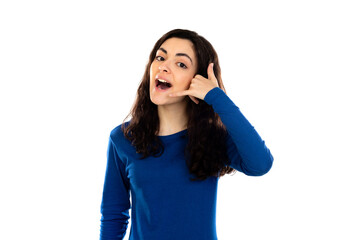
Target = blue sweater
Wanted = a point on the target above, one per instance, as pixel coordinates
(165, 204)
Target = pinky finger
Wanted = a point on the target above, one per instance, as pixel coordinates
(194, 99)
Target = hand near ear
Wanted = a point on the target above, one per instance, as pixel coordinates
(199, 86)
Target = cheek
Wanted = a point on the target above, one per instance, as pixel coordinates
(153, 66)
(151, 69)
(186, 81)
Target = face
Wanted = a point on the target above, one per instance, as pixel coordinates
(176, 64)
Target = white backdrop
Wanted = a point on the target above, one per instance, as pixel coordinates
(69, 72)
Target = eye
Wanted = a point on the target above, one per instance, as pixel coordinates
(180, 64)
(159, 58)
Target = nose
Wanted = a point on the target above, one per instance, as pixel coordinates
(163, 67)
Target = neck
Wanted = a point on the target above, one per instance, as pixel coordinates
(173, 118)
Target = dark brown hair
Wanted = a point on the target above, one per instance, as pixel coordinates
(206, 148)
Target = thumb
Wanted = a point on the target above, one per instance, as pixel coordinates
(210, 70)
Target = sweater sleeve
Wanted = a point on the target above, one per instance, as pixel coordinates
(245, 148)
(115, 203)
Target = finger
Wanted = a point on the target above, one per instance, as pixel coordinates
(194, 99)
(210, 70)
(179, 94)
(199, 77)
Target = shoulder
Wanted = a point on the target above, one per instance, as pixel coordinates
(117, 134)
(121, 144)
(117, 131)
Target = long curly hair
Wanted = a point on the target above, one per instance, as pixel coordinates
(205, 151)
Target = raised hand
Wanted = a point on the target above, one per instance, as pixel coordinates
(199, 86)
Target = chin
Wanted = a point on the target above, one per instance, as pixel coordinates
(158, 100)
(162, 102)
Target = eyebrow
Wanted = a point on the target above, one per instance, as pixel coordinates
(178, 54)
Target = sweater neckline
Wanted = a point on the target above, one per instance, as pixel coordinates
(174, 135)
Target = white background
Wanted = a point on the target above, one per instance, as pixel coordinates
(69, 73)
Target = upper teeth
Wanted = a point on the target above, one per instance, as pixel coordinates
(160, 80)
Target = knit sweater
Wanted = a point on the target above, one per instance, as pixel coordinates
(164, 203)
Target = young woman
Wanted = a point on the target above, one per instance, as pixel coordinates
(184, 134)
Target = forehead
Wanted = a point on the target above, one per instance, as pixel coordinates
(178, 45)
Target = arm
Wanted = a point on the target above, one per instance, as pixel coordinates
(115, 203)
(245, 148)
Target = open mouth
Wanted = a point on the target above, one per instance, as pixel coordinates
(162, 84)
